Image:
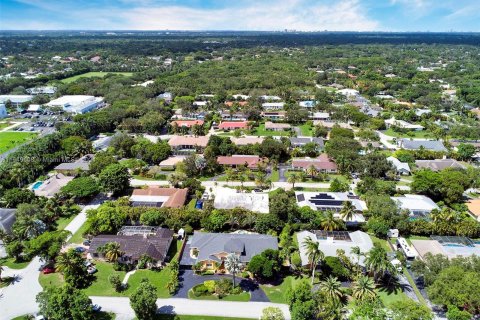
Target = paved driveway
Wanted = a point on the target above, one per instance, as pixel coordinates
(188, 279)
(121, 307)
(19, 297)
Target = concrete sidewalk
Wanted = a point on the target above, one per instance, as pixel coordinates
(121, 307)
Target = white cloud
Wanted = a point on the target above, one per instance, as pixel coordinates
(262, 15)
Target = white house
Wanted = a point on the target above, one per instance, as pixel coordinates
(417, 205)
(331, 241)
(308, 104)
(273, 105)
(403, 124)
(401, 167)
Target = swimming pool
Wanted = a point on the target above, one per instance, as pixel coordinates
(37, 185)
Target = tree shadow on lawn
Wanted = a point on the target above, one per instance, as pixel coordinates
(391, 285)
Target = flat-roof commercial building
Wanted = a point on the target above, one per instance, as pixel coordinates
(77, 104)
(15, 99)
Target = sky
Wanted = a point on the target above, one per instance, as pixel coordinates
(260, 15)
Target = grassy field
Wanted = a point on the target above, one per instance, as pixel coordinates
(414, 134)
(77, 237)
(306, 130)
(158, 278)
(260, 131)
(276, 294)
(94, 74)
(9, 140)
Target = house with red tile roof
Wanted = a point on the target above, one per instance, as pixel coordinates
(236, 160)
(322, 164)
(154, 196)
(187, 123)
(233, 125)
(188, 144)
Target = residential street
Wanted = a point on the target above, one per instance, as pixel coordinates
(26, 286)
(19, 297)
(121, 307)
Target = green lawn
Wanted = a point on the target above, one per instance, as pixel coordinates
(102, 287)
(9, 140)
(414, 134)
(260, 131)
(340, 178)
(244, 297)
(390, 297)
(275, 176)
(64, 221)
(306, 130)
(174, 249)
(276, 294)
(381, 242)
(158, 278)
(77, 237)
(94, 74)
(3, 125)
(10, 263)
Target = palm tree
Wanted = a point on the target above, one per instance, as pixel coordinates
(357, 252)
(229, 174)
(112, 251)
(348, 211)
(293, 178)
(313, 252)
(63, 262)
(330, 223)
(331, 287)
(233, 265)
(312, 171)
(364, 289)
(377, 262)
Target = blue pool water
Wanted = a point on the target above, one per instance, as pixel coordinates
(37, 185)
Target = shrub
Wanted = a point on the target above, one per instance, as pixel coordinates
(115, 281)
(334, 267)
(210, 285)
(200, 290)
(223, 287)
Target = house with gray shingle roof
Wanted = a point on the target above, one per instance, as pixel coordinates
(211, 249)
(432, 145)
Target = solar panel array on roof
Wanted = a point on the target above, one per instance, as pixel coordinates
(300, 197)
(146, 204)
(323, 199)
(445, 240)
(336, 235)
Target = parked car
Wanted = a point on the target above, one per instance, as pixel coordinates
(96, 308)
(91, 270)
(86, 242)
(80, 249)
(48, 270)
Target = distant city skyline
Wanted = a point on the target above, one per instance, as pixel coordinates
(258, 15)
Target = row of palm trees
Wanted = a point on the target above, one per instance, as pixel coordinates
(377, 266)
